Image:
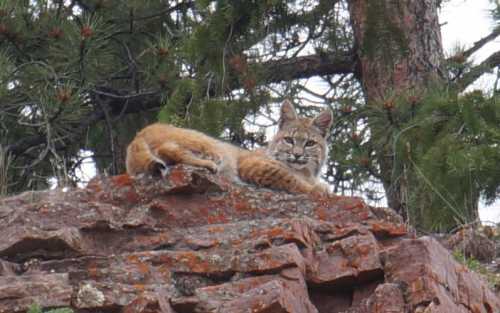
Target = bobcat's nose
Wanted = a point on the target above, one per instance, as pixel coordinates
(298, 158)
(297, 153)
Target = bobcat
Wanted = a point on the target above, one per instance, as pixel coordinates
(291, 162)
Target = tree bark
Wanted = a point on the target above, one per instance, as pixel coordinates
(399, 50)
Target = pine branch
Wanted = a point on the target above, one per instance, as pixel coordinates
(475, 72)
(482, 42)
(308, 66)
(178, 7)
(114, 102)
(318, 13)
(119, 104)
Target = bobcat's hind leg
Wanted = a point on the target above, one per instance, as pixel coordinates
(170, 151)
(265, 172)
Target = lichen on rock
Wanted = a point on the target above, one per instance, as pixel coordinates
(196, 243)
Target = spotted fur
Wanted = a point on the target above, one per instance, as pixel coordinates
(291, 162)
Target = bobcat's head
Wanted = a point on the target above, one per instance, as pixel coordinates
(301, 142)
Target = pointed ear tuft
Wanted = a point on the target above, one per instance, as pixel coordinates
(324, 121)
(287, 113)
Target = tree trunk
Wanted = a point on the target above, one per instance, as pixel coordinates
(399, 52)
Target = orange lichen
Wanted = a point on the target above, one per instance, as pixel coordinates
(194, 262)
(139, 287)
(217, 219)
(388, 228)
(177, 177)
(321, 213)
(93, 271)
(417, 285)
(363, 249)
(270, 260)
(122, 180)
(142, 267)
(275, 232)
(215, 229)
(242, 206)
(94, 185)
(349, 203)
(133, 258)
(165, 271)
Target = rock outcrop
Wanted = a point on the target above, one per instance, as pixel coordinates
(195, 243)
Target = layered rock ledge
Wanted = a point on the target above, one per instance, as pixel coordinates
(193, 242)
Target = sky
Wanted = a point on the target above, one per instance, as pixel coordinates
(464, 22)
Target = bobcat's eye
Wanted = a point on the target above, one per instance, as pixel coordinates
(310, 143)
(288, 140)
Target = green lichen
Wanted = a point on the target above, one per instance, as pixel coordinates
(35, 308)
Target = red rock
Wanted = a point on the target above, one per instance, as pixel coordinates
(195, 243)
(273, 296)
(271, 259)
(387, 298)
(433, 278)
(348, 261)
(327, 300)
(284, 292)
(473, 243)
(18, 293)
(142, 305)
(365, 291)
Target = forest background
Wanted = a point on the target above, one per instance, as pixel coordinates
(414, 125)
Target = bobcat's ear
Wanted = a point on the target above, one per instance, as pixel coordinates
(324, 121)
(287, 113)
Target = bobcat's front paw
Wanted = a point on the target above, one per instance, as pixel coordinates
(322, 189)
(210, 165)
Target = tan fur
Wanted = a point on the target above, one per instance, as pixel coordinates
(293, 167)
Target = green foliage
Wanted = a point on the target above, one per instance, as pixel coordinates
(450, 147)
(470, 262)
(35, 308)
(474, 265)
(206, 114)
(65, 64)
